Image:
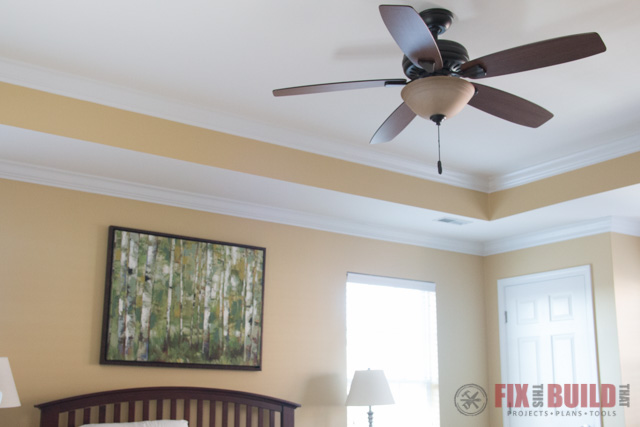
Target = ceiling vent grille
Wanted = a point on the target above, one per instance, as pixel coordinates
(453, 221)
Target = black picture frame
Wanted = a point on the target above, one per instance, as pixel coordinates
(177, 301)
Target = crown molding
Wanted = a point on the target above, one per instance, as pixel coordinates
(560, 234)
(565, 164)
(625, 226)
(147, 193)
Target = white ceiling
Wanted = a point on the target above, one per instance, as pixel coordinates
(214, 64)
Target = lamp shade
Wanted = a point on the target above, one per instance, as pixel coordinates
(437, 95)
(369, 388)
(8, 393)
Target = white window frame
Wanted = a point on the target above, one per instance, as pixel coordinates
(357, 416)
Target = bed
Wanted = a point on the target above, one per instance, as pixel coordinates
(201, 407)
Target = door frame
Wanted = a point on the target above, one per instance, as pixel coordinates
(585, 272)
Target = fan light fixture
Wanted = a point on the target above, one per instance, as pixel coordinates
(438, 97)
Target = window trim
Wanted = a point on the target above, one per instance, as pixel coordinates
(367, 279)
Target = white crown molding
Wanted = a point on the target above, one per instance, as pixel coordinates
(146, 193)
(565, 164)
(559, 234)
(625, 226)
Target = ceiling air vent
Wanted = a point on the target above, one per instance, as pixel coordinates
(454, 221)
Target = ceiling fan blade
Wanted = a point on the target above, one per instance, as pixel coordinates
(393, 125)
(509, 107)
(334, 87)
(535, 55)
(411, 33)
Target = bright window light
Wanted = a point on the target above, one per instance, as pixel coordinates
(391, 325)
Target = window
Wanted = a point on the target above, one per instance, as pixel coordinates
(391, 325)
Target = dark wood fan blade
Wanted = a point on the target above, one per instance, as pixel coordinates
(394, 124)
(334, 87)
(536, 55)
(509, 107)
(412, 35)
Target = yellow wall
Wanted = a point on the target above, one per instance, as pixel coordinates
(626, 267)
(595, 251)
(53, 252)
(53, 246)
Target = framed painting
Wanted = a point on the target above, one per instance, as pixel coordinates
(179, 301)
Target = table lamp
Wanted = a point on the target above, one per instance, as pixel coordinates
(8, 393)
(369, 388)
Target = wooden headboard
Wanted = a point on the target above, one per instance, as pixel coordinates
(202, 407)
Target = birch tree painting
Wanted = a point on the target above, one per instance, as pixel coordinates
(181, 301)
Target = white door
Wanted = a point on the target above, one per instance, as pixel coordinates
(547, 337)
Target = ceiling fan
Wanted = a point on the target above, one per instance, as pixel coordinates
(437, 70)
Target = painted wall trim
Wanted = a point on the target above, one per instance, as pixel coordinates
(561, 165)
(559, 234)
(146, 193)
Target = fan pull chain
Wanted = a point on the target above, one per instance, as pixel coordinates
(439, 162)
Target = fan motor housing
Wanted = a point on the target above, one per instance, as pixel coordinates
(453, 56)
(438, 20)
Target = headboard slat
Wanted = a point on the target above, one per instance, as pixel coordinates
(236, 415)
(249, 416)
(116, 412)
(145, 409)
(102, 413)
(200, 412)
(187, 409)
(225, 414)
(159, 409)
(131, 413)
(212, 413)
(174, 409)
